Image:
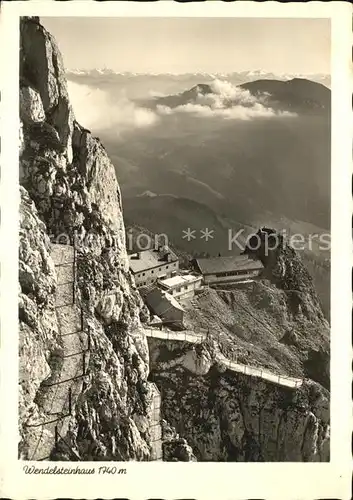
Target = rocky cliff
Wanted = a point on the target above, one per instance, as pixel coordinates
(70, 195)
(227, 416)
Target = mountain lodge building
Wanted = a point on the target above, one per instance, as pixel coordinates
(149, 265)
(232, 269)
(181, 287)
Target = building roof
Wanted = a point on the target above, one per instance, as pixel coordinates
(177, 281)
(161, 301)
(227, 264)
(149, 259)
(146, 289)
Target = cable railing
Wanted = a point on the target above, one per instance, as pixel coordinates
(61, 424)
(62, 258)
(68, 402)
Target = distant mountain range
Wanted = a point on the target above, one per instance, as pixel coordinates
(253, 74)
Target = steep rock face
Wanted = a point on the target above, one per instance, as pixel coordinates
(70, 195)
(227, 416)
(39, 340)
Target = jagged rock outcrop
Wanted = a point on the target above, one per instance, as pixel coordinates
(70, 195)
(284, 268)
(175, 448)
(291, 298)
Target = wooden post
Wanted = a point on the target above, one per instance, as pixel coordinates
(70, 401)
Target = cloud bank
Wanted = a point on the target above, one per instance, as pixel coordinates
(101, 110)
(98, 110)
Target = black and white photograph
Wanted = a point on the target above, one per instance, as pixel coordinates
(174, 240)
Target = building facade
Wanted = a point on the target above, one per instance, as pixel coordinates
(150, 265)
(181, 287)
(228, 270)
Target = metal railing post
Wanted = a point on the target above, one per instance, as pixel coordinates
(70, 401)
(74, 277)
(56, 436)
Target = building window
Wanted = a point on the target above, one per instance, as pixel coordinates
(166, 267)
(143, 274)
(152, 271)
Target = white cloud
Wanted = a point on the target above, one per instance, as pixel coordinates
(97, 110)
(226, 101)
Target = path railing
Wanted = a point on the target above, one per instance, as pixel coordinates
(62, 392)
(253, 371)
(156, 427)
(181, 336)
(258, 372)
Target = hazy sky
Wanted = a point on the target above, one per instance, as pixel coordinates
(193, 44)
